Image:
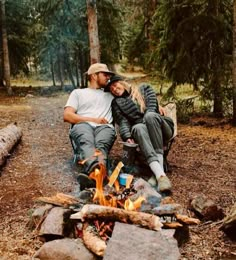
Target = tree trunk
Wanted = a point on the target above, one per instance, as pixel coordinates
(9, 137)
(6, 63)
(218, 96)
(234, 66)
(77, 72)
(52, 70)
(93, 31)
(68, 68)
(61, 65)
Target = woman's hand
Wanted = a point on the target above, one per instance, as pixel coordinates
(130, 140)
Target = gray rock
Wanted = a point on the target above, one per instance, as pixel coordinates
(56, 224)
(152, 197)
(64, 249)
(129, 242)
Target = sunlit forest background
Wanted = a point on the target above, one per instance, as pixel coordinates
(184, 46)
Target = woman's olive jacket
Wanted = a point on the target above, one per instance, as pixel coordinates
(126, 112)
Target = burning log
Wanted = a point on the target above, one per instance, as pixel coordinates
(91, 211)
(92, 241)
(9, 137)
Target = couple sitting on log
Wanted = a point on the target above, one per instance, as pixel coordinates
(134, 109)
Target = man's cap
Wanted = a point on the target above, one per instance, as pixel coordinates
(98, 67)
(113, 79)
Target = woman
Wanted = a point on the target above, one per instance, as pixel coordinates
(141, 120)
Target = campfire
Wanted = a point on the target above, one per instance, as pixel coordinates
(120, 198)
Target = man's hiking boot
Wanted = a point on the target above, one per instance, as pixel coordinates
(85, 181)
(164, 184)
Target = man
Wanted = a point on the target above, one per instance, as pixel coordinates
(89, 112)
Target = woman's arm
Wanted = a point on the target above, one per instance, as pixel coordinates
(150, 98)
(122, 121)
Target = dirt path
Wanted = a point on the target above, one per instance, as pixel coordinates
(203, 161)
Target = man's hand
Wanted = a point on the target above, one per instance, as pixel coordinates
(70, 116)
(162, 111)
(100, 120)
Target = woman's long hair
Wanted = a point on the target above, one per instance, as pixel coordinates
(135, 94)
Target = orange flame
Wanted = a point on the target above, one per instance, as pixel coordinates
(130, 205)
(98, 175)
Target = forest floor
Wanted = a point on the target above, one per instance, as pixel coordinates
(202, 159)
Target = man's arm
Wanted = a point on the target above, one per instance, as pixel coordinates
(70, 116)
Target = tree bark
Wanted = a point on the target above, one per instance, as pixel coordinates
(6, 62)
(93, 31)
(9, 137)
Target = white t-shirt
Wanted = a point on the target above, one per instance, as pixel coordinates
(90, 102)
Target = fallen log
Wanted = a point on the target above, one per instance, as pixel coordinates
(206, 208)
(9, 137)
(91, 211)
(92, 241)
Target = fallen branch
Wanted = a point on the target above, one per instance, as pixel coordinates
(91, 211)
(60, 199)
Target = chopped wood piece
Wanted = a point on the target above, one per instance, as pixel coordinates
(92, 241)
(172, 224)
(9, 137)
(60, 199)
(206, 208)
(115, 214)
(115, 174)
(187, 220)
